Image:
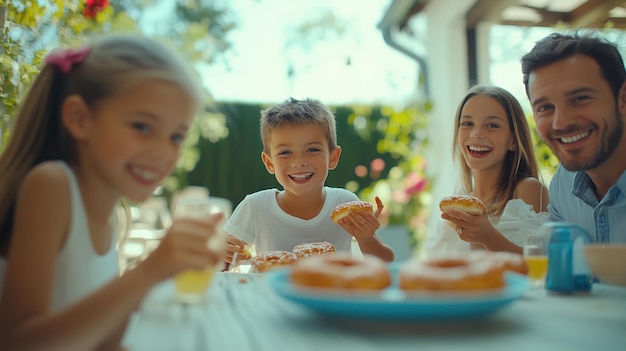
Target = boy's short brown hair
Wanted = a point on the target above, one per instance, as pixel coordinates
(296, 112)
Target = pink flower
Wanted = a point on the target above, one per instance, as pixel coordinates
(415, 183)
(417, 187)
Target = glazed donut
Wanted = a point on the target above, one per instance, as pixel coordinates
(466, 203)
(311, 249)
(265, 261)
(341, 270)
(344, 209)
(507, 260)
(450, 274)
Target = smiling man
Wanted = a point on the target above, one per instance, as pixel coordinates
(577, 91)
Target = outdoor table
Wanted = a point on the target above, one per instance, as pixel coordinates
(243, 312)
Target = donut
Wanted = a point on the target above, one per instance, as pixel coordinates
(341, 270)
(344, 209)
(466, 203)
(460, 273)
(509, 261)
(265, 261)
(311, 249)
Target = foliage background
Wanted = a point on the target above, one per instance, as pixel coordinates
(197, 29)
(383, 147)
(231, 167)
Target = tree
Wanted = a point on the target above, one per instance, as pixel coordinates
(32, 28)
(197, 29)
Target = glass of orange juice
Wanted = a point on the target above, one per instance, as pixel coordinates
(536, 257)
(191, 284)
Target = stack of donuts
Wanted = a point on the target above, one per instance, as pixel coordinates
(476, 271)
(341, 270)
(313, 249)
(269, 260)
(266, 261)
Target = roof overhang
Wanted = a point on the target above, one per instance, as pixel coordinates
(532, 13)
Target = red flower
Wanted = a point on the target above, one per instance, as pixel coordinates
(93, 7)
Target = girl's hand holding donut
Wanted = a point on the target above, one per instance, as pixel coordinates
(470, 219)
(185, 246)
(468, 216)
(358, 218)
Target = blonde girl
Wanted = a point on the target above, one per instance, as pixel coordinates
(100, 123)
(493, 146)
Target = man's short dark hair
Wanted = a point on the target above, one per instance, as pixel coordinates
(556, 47)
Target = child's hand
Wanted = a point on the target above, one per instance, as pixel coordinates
(186, 246)
(233, 245)
(360, 224)
(379, 207)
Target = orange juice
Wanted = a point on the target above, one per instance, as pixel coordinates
(193, 282)
(537, 267)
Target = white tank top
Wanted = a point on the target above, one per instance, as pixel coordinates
(80, 270)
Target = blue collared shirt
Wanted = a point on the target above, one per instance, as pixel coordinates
(573, 200)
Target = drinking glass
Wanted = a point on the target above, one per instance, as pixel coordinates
(536, 257)
(191, 284)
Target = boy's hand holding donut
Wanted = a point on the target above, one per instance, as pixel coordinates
(358, 218)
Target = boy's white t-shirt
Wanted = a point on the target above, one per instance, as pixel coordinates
(259, 220)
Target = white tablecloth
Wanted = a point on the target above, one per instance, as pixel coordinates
(242, 312)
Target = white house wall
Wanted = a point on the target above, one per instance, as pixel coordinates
(446, 56)
(482, 53)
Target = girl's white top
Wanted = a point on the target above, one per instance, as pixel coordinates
(518, 223)
(79, 269)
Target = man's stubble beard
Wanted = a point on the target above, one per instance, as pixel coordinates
(608, 144)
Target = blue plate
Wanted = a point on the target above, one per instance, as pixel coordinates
(393, 304)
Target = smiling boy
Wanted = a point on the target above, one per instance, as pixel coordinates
(299, 148)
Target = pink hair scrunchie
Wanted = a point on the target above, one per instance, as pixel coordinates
(66, 58)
